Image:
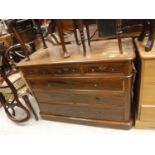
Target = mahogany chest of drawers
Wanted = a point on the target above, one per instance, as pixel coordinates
(146, 87)
(93, 90)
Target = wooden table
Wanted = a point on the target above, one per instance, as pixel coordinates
(94, 90)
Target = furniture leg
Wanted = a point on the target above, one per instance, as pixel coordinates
(51, 30)
(144, 29)
(12, 107)
(120, 45)
(151, 38)
(118, 32)
(12, 29)
(88, 34)
(41, 34)
(19, 39)
(27, 101)
(80, 27)
(75, 32)
(61, 35)
(53, 27)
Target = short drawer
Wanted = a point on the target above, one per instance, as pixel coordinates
(147, 113)
(83, 111)
(51, 70)
(106, 67)
(111, 84)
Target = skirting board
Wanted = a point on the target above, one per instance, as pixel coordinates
(101, 123)
(143, 124)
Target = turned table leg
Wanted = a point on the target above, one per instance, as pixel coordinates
(80, 27)
(88, 33)
(151, 38)
(75, 31)
(61, 35)
(51, 30)
(27, 101)
(41, 34)
(144, 30)
(118, 24)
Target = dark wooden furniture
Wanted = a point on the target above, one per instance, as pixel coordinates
(95, 89)
(118, 28)
(77, 24)
(24, 32)
(13, 87)
(61, 35)
(129, 27)
(12, 29)
(145, 98)
(148, 27)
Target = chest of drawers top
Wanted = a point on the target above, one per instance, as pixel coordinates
(100, 51)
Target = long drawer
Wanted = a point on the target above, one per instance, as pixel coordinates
(80, 111)
(111, 84)
(91, 98)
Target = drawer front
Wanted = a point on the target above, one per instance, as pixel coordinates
(147, 91)
(92, 98)
(106, 67)
(83, 111)
(122, 68)
(147, 113)
(112, 84)
(51, 70)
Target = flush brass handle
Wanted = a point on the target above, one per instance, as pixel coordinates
(97, 98)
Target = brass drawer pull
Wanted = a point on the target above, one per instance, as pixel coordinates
(66, 69)
(95, 85)
(112, 69)
(45, 72)
(73, 70)
(59, 71)
(30, 72)
(48, 85)
(97, 98)
(92, 70)
(102, 68)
